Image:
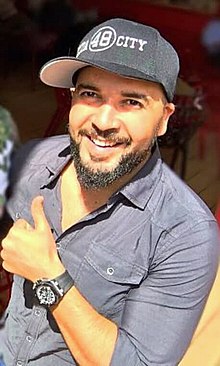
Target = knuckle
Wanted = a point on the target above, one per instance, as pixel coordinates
(3, 256)
(5, 266)
(4, 243)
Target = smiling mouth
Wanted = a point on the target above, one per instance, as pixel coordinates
(104, 143)
(105, 140)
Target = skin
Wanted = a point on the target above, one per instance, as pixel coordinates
(103, 102)
(107, 105)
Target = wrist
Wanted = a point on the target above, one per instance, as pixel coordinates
(50, 270)
(54, 270)
(49, 291)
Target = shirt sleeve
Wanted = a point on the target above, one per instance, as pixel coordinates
(161, 315)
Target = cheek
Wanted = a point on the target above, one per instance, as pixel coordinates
(74, 115)
(142, 132)
(144, 127)
(76, 120)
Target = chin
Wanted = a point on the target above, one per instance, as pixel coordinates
(100, 166)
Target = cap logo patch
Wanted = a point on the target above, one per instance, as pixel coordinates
(106, 37)
(103, 39)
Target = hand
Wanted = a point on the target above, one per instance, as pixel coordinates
(31, 251)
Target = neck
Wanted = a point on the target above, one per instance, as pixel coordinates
(85, 201)
(103, 194)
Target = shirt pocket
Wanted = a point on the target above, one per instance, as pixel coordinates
(105, 278)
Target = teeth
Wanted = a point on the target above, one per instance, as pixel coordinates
(103, 143)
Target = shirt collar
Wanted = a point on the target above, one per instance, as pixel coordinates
(56, 165)
(139, 190)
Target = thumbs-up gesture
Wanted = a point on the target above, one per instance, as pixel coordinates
(30, 251)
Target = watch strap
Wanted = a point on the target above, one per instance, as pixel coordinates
(64, 281)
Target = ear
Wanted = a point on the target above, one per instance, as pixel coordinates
(169, 109)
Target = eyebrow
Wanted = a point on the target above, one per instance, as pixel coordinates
(87, 86)
(136, 95)
(126, 94)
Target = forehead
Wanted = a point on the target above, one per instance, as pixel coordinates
(99, 78)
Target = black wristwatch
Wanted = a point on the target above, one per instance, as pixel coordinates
(50, 291)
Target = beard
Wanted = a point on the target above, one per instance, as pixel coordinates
(91, 179)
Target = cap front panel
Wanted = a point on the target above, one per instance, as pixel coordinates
(123, 45)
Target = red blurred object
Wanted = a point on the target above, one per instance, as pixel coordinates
(63, 99)
(189, 116)
(40, 43)
(22, 5)
(5, 289)
(217, 213)
(29, 41)
(211, 127)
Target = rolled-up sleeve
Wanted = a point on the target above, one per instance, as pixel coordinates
(161, 315)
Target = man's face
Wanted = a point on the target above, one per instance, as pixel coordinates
(113, 123)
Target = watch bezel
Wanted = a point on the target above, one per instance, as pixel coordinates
(59, 286)
(51, 285)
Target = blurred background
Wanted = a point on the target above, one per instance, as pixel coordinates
(33, 31)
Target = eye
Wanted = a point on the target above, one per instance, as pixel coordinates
(88, 94)
(89, 97)
(132, 103)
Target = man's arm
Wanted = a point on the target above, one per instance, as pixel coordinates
(160, 316)
(90, 337)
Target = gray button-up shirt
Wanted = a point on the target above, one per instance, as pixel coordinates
(146, 260)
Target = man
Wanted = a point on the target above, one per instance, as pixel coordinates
(113, 255)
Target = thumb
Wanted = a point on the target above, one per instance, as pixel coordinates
(37, 211)
(22, 224)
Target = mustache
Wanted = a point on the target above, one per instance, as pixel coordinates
(109, 135)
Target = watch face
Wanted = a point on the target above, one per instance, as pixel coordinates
(46, 295)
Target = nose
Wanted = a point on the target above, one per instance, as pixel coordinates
(106, 118)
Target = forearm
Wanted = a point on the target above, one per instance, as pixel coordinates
(90, 337)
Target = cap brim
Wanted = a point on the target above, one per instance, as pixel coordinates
(59, 71)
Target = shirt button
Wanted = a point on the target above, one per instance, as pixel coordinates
(19, 363)
(37, 312)
(17, 215)
(110, 271)
(29, 338)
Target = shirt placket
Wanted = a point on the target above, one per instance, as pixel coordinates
(31, 335)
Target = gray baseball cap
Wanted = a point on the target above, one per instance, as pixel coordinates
(123, 47)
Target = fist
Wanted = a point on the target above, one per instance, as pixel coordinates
(30, 251)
